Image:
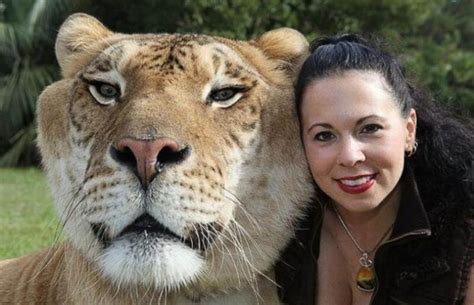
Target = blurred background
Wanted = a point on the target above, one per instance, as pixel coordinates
(433, 38)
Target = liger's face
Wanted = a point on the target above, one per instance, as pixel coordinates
(355, 138)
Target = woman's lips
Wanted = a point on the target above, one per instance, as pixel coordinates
(357, 184)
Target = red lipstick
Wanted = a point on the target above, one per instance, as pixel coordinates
(359, 188)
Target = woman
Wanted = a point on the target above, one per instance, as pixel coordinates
(395, 219)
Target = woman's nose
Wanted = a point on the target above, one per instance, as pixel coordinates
(350, 153)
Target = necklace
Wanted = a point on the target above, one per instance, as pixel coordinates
(365, 276)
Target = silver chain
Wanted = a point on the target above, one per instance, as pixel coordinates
(362, 251)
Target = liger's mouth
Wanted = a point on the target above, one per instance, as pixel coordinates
(146, 224)
(148, 227)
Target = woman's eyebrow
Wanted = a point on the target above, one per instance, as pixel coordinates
(324, 125)
(372, 116)
(359, 122)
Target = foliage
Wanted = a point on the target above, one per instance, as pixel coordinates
(239, 19)
(434, 37)
(441, 52)
(144, 16)
(27, 65)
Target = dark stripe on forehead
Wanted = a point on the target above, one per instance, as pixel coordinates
(104, 66)
(216, 62)
(235, 73)
(156, 57)
(101, 64)
(116, 50)
(107, 60)
(219, 50)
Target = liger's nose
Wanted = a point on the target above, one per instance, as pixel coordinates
(147, 158)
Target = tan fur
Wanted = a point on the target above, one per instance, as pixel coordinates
(245, 171)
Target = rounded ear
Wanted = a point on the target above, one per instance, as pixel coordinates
(288, 46)
(411, 130)
(78, 35)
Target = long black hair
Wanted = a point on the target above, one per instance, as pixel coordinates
(443, 160)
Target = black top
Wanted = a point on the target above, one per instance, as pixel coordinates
(426, 260)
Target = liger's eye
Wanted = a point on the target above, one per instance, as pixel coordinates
(107, 90)
(104, 93)
(224, 94)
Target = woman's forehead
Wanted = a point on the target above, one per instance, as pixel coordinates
(352, 93)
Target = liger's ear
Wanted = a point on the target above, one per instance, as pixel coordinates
(79, 36)
(286, 45)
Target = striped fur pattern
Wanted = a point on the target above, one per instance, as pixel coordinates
(225, 209)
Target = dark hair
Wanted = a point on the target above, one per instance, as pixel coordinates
(443, 161)
(334, 55)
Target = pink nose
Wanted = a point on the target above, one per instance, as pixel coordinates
(147, 162)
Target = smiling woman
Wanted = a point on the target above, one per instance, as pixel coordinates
(351, 119)
(394, 174)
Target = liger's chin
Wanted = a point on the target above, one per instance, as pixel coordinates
(150, 260)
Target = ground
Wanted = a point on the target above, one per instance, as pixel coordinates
(27, 218)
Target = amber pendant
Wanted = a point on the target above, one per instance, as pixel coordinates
(366, 275)
(366, 279)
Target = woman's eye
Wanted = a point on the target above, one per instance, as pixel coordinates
(324, 136)
(224, 94)
(371, 128)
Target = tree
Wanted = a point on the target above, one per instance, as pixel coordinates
(433, 37)
(440, 52)
(27, 65)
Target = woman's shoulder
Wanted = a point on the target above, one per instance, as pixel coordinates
(449, 204)
(438, 264)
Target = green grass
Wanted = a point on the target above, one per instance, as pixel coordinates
(27, 218)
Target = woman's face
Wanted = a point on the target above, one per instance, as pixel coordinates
(355, 138)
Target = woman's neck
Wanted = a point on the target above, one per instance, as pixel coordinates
(365, 226)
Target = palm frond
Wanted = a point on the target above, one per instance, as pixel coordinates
(17, 10)
(27, 65)
(23, 144)
(22, 87)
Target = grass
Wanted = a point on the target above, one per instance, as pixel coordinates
(27, 218)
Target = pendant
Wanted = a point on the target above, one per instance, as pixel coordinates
(366, 279)
(366, 275)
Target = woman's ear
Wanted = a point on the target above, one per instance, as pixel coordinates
(411, 131)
